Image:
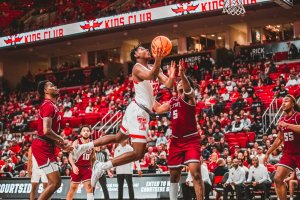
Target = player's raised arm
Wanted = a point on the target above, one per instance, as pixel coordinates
(168, 81)
(187, 89)
(293, 127)
(161, 108)
(142, 73)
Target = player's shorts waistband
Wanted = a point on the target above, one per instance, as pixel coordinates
(185, 136)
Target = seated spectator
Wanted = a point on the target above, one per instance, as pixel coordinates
(274, 157)
(282, 91)
(242, 165)
(258, 178)
(244, 93)
(235, 180)
(162, 159)
(260, 155)
(246, 122)
(152, 167)
(152, 139)
(89, 108)
(218, 134)
(237, 125)
(68, 113)
(161, 139)
(213, 162)
(67, 131)
(292, 81)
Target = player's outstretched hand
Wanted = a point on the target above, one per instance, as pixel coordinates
(172, 69)
(181, 67)
(75, 169)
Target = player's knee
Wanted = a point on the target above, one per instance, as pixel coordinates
(174, 179)
(89, 188)
(197, 176)
(278, 180)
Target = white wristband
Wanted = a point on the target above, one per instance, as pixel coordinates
(188, 93)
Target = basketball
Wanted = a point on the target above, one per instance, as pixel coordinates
(161, 42)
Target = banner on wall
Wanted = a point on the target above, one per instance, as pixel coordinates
(146, 187)
(261, 51)
(200, 6)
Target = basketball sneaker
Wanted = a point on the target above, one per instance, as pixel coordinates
(79, 150)
(97, 172)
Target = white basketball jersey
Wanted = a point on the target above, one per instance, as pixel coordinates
(146, 91)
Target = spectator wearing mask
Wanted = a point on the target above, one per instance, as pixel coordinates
(235, 180)
(258, 178)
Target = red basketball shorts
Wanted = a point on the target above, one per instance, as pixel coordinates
(84, 174)
(290, 161)
(43, 152)
(183, 151)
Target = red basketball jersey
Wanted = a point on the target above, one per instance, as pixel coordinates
(291, 139)
(85, 159)
(183, 117)
(48, 109)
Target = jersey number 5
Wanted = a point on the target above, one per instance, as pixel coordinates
(288, 136)
(175, 114)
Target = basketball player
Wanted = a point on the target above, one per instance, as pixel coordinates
(82, 169)
(35, 173)
(290, 159)
(136, 117)
(185, 140)
(47, 138)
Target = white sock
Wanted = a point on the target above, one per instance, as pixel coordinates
(89, 196)
(107, 165)
(173, 192)
(291, 198)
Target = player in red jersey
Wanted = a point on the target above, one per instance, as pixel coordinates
(290, 159)
(82, 169)
(185, 140)
(47, 138)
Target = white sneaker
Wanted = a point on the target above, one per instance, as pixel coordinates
(79, 150)
(97, 172)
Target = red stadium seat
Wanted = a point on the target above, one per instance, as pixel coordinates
(76, 122)
(251, 136)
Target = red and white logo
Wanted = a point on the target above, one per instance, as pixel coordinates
(143, 122)
(90, 25)
(185, 8)
(13, 39)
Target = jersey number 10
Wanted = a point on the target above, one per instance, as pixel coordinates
(86, 156)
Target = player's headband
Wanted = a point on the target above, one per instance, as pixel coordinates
(291, 97)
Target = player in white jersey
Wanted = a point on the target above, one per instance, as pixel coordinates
(136, 118)
(35, 173)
